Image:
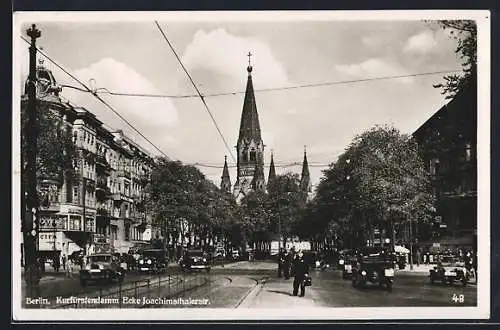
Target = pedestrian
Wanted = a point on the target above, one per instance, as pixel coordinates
(56, 264)
(281, 261)
(293, 256)
(301, 270)
(418, 257)
(63, 258)
(286, 265)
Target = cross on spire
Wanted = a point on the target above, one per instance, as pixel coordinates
(249, 55)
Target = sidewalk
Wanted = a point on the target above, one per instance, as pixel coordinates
(422, 269)
(249, 265)
(278, 294)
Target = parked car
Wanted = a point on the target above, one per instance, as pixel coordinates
(153, 260)
(449, 269)
(373, 265)
(195, 260)
(102, 267)
(76, 257)
(347, 261)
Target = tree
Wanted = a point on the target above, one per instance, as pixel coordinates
(378, 181)
(56, 151)
(287, 199)
(465, 33)
(184, 203)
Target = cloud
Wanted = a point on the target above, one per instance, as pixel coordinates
(421, 43)
(220, 52)
(373, 68)
(151, 116)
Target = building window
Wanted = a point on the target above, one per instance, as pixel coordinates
(244, 156)
(468, 152)
(434, 166)
(114, 232)
(75, 193)
(75, 223)
(252, 156)
(127, 232)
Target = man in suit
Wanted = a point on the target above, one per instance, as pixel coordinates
(300, 270)
(281, 261)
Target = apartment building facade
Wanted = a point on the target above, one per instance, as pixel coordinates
(101, 208)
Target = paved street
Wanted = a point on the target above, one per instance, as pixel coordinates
(255, 285)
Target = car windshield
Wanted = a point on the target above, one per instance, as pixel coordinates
(99, 258)
(371, 251)
(195, 253)
(448, 260)
(153, 253)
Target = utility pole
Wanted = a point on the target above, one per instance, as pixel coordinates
(30, 225)
(83, 201)
(411, 245)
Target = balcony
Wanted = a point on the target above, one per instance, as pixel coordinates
(118, 197)
(123, 173)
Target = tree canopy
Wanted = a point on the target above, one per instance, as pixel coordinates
(56, 151)
(378, 181)
(465, 33)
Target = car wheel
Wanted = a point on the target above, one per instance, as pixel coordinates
(208, 270)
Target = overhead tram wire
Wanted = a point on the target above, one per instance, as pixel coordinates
(197, 91)
(87, 89)
(310, 85)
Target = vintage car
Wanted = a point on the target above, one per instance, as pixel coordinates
(373, 265)
(448, 270)
(347, 260)
(153, 260)
(102, 267)
(195, 260)
(343, 255)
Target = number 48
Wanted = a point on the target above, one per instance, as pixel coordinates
(458, 298)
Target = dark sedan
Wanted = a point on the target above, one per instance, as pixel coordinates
(153, 260)
(195, 260)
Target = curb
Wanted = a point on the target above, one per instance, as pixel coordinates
(252, 293)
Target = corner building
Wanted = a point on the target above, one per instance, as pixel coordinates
(102, 209)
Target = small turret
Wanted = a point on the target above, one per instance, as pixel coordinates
(225, 184)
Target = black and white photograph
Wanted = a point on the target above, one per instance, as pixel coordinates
(272, 165)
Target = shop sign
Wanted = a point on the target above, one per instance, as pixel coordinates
(49, 241)
(51, 222)
(436, 245)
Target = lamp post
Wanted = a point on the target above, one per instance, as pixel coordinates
(411, 245)
(54, 225)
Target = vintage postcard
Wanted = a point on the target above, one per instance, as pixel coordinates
(254, 166)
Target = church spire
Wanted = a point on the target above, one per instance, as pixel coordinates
(225, 184)
(305, 180)
(249, 126)
(272, 172)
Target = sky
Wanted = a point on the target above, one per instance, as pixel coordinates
(133, 57)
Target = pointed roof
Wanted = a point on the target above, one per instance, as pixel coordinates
(225, 170)
(226, 179)
(249, 126)
(272, 170)
(305, 180)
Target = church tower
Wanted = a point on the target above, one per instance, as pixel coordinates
(305, 179)
(250, 147)
(225, 184)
